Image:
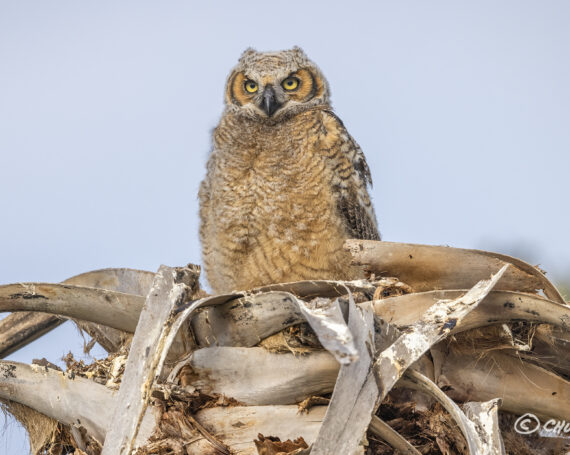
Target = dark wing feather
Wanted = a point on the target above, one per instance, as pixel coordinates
(358, 221)
(353, 199)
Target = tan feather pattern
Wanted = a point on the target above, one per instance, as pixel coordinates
(281, 195)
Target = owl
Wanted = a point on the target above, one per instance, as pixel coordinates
(286, 184)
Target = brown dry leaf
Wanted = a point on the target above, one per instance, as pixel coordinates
(186, 376)
(391, 287)
(106, 371)
(306, 405)
(271, 445)
(298, 340)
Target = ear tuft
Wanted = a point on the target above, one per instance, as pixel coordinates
(249, 51)
(299, 52)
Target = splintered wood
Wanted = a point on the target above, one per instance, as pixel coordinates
(226, 374)
(166, 294)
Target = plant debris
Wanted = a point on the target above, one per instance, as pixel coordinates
(515, 337)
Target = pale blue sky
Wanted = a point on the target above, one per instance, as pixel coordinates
(462, 109)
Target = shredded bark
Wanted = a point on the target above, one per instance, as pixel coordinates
(431, 432)
(271, 445)
(424, 423)
(107, 371)
(177, 428)
(298, 339)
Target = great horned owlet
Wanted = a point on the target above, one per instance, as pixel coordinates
(286, 184)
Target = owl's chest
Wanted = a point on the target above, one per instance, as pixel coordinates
(272, 176)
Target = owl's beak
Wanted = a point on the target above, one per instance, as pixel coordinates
(269, 102)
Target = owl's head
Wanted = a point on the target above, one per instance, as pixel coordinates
(272, 85)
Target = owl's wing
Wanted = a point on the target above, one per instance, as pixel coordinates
(205, 210)
(352, 178)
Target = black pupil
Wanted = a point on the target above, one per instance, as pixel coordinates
(290, 82)
(251, 85)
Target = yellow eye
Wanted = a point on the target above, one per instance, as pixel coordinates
(291, 83)
(250, 86)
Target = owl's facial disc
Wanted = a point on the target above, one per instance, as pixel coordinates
(274, 85)
(269, 102)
